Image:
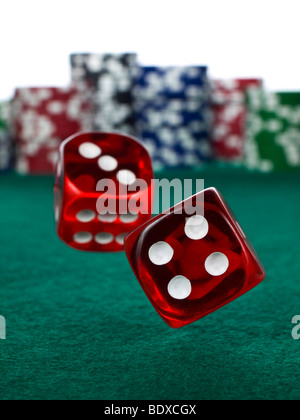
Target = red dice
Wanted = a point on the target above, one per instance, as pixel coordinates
(191, 265)
(87, 161)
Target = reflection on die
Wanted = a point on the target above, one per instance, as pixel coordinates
(98, 177)
(191, 265)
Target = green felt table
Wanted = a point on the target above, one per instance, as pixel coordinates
(80, 327)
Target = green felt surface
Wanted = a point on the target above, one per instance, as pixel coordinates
(80, 327)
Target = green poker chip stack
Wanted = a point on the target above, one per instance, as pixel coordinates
(272, 131)
(4, 116)
(6, 143)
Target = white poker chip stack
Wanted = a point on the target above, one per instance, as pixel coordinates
(110, 79)
(173, 115)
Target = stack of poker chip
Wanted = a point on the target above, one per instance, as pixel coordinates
(41, 119)
(173, 115)
(110, 79)
(273, 131)
(6, 143)
(229, 117)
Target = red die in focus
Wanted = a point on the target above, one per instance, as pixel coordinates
(189, 266)
(86, 160)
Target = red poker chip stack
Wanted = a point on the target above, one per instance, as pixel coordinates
(41, 119)
(229, 113)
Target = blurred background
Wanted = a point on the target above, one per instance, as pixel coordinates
(216, 81)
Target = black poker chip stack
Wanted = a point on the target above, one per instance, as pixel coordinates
(110, 79)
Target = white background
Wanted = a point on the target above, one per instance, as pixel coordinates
(236, 38)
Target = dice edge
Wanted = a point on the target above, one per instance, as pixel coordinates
(242, 236)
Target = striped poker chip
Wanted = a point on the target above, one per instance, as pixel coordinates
(229, 117)
(172, 83)
(175, 137)
(6, 142)
(114, 116)
(273, 131)
(41, 119)
(171, 147)
(110, 79)
(232, 90)
(5, 115)
(172, 115)
(6, 150)
(114, 70)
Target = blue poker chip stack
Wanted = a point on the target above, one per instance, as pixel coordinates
(109, 78)
(173, 115)
(6, 141)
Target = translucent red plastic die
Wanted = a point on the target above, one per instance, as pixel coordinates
(86, 159)
(191, 265)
